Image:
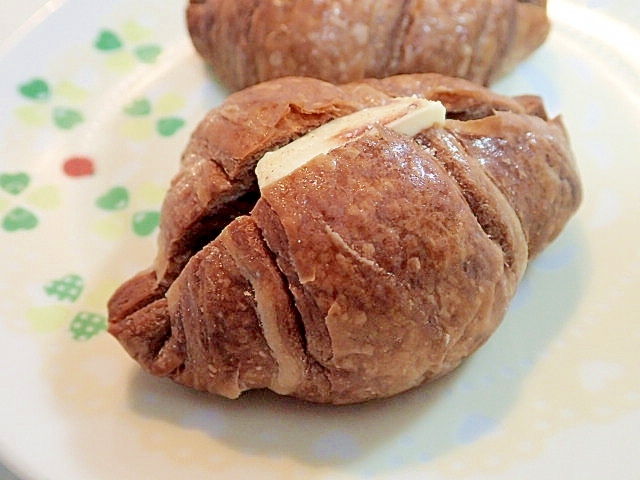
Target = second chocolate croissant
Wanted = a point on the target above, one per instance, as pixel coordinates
(248, 41)
(378, 245)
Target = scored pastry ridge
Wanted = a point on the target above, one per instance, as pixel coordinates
(366, 271)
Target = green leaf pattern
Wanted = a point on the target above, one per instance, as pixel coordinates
(86, 325)
(16, 217)
(60, 105)
(39, 91)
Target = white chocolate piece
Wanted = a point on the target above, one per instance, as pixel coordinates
(405, 115)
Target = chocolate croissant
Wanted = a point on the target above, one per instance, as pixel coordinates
(344, 243)
(249, 41)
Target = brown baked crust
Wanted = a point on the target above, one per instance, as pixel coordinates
(367, 271)
(249, 41)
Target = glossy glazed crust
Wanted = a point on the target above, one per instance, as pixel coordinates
(367, 271)
(249, 41)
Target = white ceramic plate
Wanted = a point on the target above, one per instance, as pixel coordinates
(98, 100)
